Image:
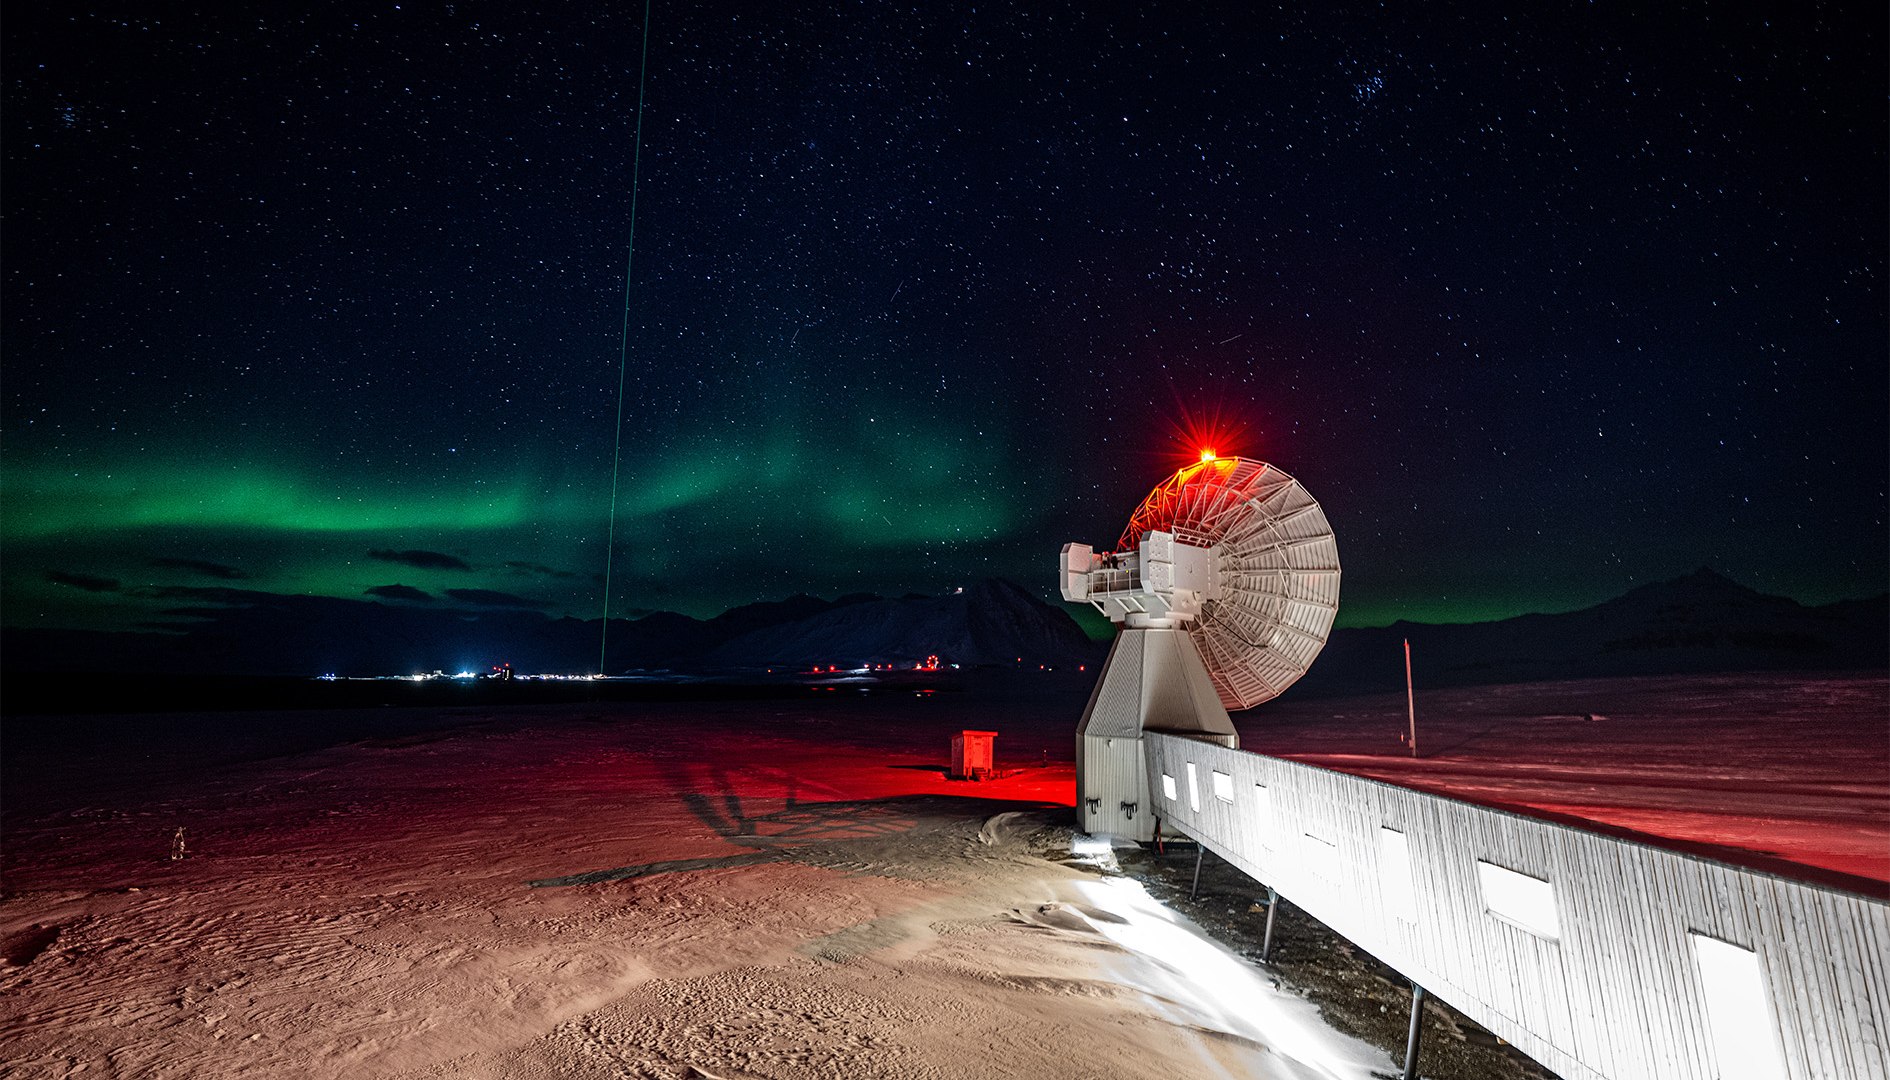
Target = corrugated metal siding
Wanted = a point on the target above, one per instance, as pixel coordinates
(1115, 705)
(1617, 993)
(1114, 775)
(1109, 765)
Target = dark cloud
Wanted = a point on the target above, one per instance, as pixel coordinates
(209, 601)
(492, 598)
(401, 592)
(424, 560)
(82, 581)
(202, 566)
(538, 568)
(211, 593)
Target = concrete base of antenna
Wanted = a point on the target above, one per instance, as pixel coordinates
(1153, 681)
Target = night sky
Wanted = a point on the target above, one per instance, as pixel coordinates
(1541, 301)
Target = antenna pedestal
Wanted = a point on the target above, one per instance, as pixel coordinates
(1154, 680)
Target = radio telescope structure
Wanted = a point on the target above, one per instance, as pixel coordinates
(1225, 584)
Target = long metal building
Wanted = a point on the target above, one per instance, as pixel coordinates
(1597, 956)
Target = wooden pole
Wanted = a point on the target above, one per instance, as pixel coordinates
(1410, 698)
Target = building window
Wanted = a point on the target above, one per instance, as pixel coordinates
(1520, 900)
(1223, 786)
(1263, 814)
(1322, 858)
(1744, 1032)
(1168, 787)
(1194, 790)
(1394, 875)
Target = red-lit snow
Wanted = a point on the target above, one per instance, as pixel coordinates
(1785, 773)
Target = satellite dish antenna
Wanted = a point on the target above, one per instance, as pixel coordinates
(1225, 583)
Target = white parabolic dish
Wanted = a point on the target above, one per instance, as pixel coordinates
(1276, 564)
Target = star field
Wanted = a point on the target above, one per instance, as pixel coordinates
(1539, 302)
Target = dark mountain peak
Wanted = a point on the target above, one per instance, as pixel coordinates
(990, 622)
(656, 619)
(1004, 590)
(1702, 621)
(1702, 586)
(1706, 578)
(740, 620)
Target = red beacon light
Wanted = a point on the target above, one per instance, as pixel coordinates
(1207, 454)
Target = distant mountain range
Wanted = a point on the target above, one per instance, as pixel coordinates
(245, 632)
(1701, 622)
(1698, 623)
(995, 622)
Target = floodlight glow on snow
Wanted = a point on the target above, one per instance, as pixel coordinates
(1228, 992)
(1096, 850)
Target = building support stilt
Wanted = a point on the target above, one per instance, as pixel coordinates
(1273, 905)
(1195, 889)
(1411, 1040)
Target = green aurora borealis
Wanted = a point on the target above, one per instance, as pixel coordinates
(537, 534)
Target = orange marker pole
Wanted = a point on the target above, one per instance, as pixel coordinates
(1410, 698)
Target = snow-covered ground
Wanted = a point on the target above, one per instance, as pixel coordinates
(738, 890)
(767, 888)
(1788, 773)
